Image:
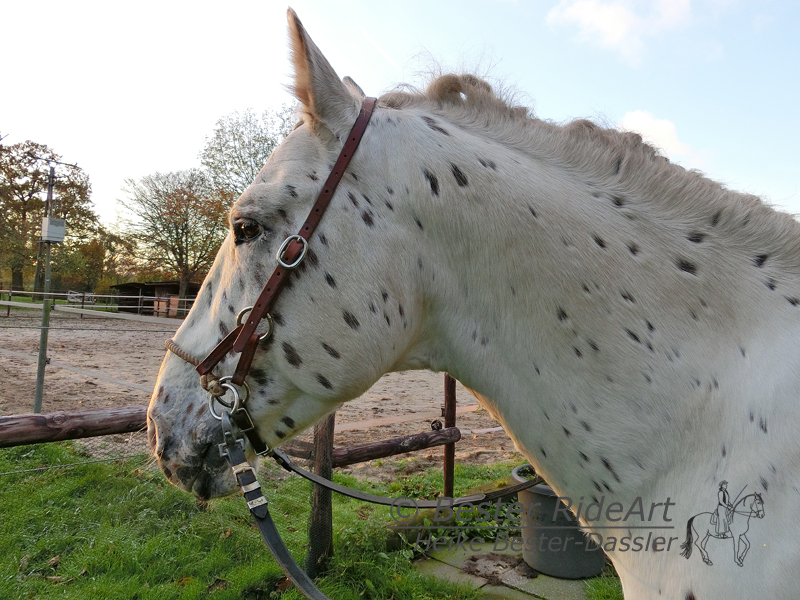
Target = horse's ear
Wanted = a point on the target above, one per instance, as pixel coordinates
(354, 87)
(324, 97)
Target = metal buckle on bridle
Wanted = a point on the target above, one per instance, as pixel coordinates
(229, 434)
(270, 323)
(237, 403)
(292, 238)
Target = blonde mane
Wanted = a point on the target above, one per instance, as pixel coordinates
(620, 163)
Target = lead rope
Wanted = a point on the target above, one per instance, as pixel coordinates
(233, 452)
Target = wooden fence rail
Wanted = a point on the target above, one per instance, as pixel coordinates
(18, 430)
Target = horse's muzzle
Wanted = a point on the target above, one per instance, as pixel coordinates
(190, 465)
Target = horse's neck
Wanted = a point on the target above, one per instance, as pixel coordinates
(584, 324)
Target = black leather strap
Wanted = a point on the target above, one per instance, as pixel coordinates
(258, 505)
(233, 451)
(283, 460)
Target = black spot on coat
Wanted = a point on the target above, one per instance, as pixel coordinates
(434, 125)
(323, 381)
(330, 350)
(432, 181)
(696, 237)
(351, 320)
(291, 355)
(686, 266)
(259, 376)
(460, 178)
(760, 260)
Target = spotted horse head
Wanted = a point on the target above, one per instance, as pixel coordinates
(352, 311)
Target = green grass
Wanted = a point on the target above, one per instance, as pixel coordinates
(110, 531)
(605, 587)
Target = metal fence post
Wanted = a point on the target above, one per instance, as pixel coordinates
(37, 401)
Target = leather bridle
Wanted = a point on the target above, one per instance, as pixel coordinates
(245, 339)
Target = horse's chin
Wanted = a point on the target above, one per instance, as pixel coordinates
(201, 471)
(208, 485)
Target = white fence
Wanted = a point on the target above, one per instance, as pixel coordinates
(117, 304)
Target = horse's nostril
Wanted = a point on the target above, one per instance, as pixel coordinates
(161, 450)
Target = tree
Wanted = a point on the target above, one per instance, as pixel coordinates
(180, 222)
(24, 174)
(241, 144)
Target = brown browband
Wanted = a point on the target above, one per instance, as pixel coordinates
(244, 338)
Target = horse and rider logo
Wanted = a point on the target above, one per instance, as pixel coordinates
(728, 521)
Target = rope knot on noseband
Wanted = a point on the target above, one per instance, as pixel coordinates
(211, 384)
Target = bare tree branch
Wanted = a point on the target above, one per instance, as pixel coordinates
(179, 221)
(241, 144)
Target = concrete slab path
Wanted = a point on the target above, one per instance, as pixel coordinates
(498, 574)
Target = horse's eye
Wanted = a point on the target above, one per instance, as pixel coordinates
(246, 230)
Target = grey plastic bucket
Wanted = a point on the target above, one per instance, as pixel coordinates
(552, 542)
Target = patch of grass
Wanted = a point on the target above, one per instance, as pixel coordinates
(605, 587)
(119, 531)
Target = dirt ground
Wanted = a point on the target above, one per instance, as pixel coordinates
(99, 362)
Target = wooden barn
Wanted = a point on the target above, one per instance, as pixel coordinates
(156, 298)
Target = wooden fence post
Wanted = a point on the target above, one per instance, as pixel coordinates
(320, 526)
(449, 421)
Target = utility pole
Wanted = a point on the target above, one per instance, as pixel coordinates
(52, 231)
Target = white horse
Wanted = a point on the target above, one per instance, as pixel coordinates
(634, 326)
(747, 507)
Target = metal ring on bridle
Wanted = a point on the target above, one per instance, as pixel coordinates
(268, 317)
(285, 245)
(237, 403)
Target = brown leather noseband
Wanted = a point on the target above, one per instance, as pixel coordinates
(244, 338)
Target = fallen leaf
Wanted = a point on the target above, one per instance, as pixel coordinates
(219, 584)
(183, 580)
(283, 584)
(53, 562)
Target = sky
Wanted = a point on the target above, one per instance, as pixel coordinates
(129, 89)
